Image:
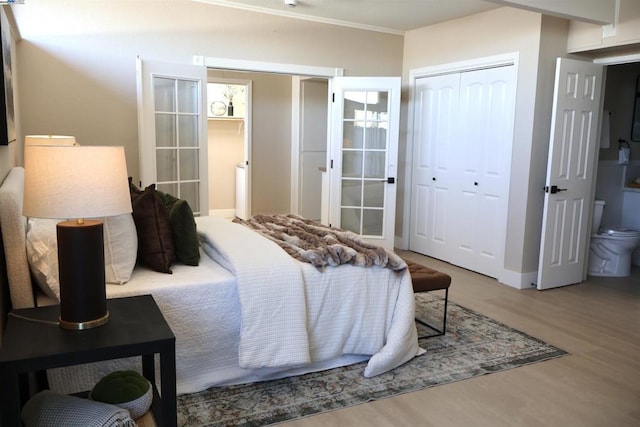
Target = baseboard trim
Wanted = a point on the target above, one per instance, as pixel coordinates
(518, 280)
(223, 213)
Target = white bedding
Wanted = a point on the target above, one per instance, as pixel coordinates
(348, 309)
(271, 291)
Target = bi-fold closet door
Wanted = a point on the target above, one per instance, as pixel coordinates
(463, 133)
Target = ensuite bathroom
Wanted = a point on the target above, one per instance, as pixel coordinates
(615, 240)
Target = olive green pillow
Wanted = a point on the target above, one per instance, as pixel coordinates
(120, 387)
(183, 228)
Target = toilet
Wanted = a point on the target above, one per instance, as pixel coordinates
(611, 247)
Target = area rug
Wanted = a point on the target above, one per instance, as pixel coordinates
(473, 345)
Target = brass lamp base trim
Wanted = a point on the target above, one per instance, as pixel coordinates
(79, 326)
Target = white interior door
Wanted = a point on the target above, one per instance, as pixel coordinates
(483, 154)
(172, 131)
(364, 129)
(436, 107)
(570, 173)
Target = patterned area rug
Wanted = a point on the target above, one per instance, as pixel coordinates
(473, 345)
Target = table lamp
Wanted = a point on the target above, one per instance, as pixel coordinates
(73, 183)
(49, 140)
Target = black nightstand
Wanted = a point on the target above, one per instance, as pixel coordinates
(136, 328)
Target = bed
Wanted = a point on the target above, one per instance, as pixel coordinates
(228, 311)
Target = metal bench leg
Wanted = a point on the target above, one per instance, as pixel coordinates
(437, 332)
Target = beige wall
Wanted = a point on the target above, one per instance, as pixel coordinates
(226, 150)
(77, 57)
(271, 143)
(585, 37)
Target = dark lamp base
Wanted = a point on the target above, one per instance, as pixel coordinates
(83, 300)
(79, 326)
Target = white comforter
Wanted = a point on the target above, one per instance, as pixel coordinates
(292, 314)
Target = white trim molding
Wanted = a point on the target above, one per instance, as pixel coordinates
(267, 67)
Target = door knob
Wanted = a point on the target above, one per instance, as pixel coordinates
(553, 189)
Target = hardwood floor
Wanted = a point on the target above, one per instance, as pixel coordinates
(597, 384)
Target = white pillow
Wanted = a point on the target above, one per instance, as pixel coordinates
(120, 250)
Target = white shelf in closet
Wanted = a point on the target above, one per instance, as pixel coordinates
(225, 118)
(239, 120)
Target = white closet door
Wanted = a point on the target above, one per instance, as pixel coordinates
(436, 105)
(462, 153)
(484, 154)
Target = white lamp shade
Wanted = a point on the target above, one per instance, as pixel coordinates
(49, 140)
(69, 182)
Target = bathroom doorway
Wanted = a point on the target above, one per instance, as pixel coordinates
(615, 179)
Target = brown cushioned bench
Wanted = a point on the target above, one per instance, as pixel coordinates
(426, 279)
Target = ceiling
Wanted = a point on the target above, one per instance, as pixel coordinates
(394, 16)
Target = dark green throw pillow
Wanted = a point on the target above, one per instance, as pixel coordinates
(156, 248)
(183, 227)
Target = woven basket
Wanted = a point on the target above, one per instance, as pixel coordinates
(137, 407)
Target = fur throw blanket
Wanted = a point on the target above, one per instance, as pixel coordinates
(319, 245)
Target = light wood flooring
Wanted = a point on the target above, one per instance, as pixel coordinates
(598, 384)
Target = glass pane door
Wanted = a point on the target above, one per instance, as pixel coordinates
(364, 147)
(173, 131)
(177, 143)
(364, 157)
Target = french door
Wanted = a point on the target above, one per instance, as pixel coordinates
(568, 199)
(364, 116)
(172, 131)
(364, 129)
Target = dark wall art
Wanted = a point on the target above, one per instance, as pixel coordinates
(7, 113)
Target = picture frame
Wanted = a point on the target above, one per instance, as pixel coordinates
(7, 111)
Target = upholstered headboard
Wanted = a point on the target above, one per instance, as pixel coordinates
(13, 227)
